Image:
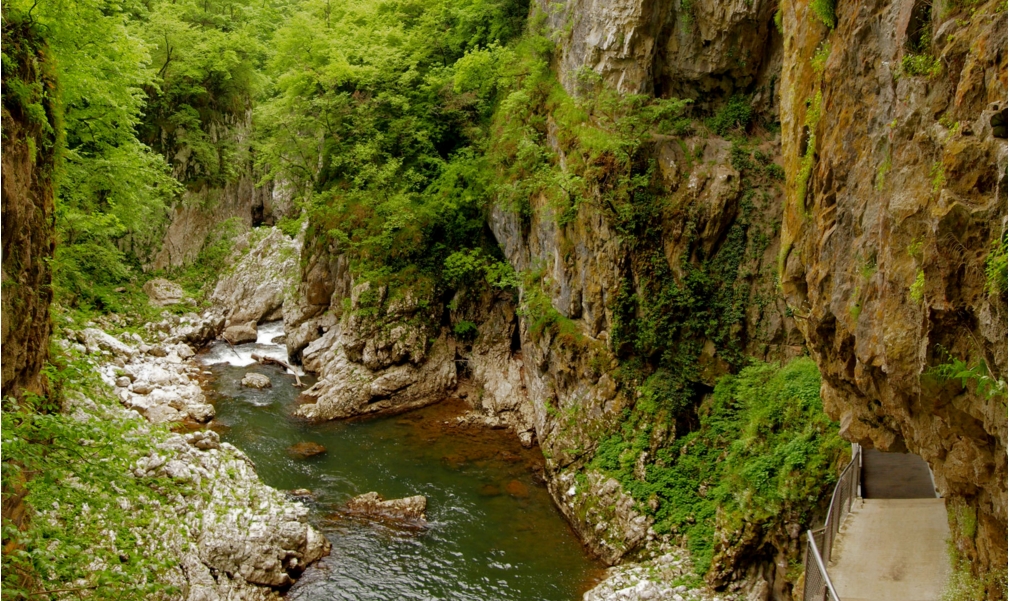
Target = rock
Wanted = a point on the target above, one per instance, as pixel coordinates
(300, 492)
(96, 340)
(204, 439)
(163, 293)
(282, 339)
(238, 334)
(184, 351)
(371, 503)
(158, 351)
(304, 450)
(201, 412)
(258, 381)
(162, 414)
(143, 388)
(254, 289)
(877, 298)
(123, 381)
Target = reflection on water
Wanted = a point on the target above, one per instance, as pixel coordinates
(493, 532)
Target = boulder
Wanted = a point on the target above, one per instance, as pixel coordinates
(237, 334)
(304, 450)
(254, 380)
(372, 503)
(122, 382)
(201, 412)
(96, 340)
(162, 292)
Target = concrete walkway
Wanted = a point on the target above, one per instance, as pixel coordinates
(895, 476)
(892, 550)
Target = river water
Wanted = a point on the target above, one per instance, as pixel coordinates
(493, 532)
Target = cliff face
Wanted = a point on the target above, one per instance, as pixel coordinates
(203, 206)
(29, 118)
(698, 50)
(893, 137)
(894, 191)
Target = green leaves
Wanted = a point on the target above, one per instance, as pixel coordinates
(763, 449)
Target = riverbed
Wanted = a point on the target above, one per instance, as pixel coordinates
(493, 532)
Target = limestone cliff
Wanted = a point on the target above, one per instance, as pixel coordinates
(30, 115)
(894, 141)
(204, 205)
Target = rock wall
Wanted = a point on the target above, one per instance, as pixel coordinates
(698, 50)
(885, 243)
(203, 208)
(28, 160)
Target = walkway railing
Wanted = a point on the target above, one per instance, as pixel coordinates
(820, 542)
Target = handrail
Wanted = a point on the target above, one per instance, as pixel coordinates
(827, 587)
(816, 584)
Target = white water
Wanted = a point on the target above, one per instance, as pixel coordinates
(240, 355)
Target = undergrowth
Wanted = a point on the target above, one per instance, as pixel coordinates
(90, 528)
(763, 447)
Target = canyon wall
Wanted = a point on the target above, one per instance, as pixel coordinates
(30, 119)
(898, 198)
(203, 206)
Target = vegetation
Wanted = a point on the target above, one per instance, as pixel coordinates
(90, 527)
(996, 267)
(824, 11)
(763, 448)
(977, 375)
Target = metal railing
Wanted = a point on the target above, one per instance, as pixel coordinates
(819, 543)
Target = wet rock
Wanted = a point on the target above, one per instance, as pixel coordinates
(163, 293)
(371, 503)
(282, 339)
(238, 334)
(258, 381)
(304, 450)
(489, 490)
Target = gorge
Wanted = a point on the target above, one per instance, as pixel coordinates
(655, 263)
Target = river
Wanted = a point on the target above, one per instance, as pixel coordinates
(493, 533)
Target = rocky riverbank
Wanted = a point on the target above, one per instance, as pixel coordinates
(239, 539)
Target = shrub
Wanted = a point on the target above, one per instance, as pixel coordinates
(920, 65)
(736, 114)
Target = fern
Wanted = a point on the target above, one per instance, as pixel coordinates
(986, 385)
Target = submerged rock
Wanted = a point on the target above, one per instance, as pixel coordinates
(254, 380)
(304, 450)
(163, 293)
(372, 503)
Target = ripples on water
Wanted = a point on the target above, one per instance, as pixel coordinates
(493, 532)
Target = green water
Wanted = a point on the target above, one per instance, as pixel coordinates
(493, 531)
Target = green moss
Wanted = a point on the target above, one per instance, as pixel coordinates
(920, 65)
(917, 288)
(824, 11)
(996, 265)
